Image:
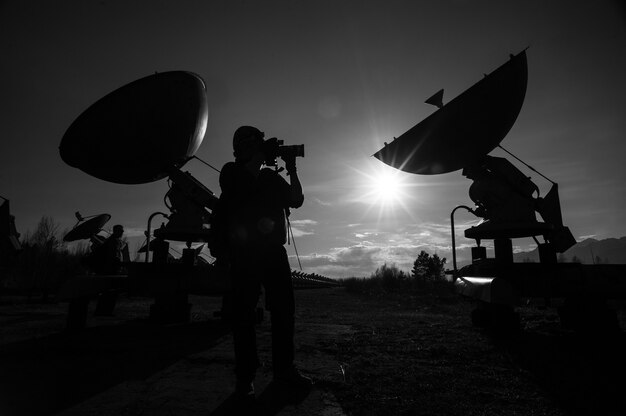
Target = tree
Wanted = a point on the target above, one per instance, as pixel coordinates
(575, 259)
(427, 267)
(46, 235)
(40, 257)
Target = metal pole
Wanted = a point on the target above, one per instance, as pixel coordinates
(148, 233)
(454, 237)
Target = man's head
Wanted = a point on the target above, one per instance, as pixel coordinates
(118, 230)
(247, 142)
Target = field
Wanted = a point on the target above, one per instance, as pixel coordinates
(386, 354)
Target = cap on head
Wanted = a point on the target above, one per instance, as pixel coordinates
(246, 137)
(118, 229)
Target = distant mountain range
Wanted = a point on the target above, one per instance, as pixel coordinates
(589, 251)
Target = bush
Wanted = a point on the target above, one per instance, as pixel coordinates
(390, 276)
(385, 279)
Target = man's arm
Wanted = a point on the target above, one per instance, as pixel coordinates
(296, 197)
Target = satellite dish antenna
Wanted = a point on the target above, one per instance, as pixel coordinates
(464, 130)
(139, 132)
(88, 229)
(143, 132)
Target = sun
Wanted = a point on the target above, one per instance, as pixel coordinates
(386, 188)
(383, 187)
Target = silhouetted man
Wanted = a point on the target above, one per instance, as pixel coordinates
(109, 256)
(108, 260)
(253, 206)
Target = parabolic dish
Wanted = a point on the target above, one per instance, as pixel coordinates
(465, 129)
(87, 229)
(138, 132)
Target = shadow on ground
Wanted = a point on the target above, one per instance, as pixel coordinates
(48, 374)
(270, 402)
(585, 374)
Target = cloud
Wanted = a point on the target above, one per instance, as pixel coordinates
(299, 233)
(360, 259)
(342, 261)
(301, 228)
(370, 248)
(134, 232)
(360, 248)
(303, 222)
(319, 201)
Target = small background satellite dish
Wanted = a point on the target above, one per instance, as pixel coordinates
(138, 132)
(467, 128)
(88, 229)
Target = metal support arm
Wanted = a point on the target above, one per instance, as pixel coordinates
(149, 231)
(453, 236)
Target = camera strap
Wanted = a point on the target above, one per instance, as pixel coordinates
(290, 231)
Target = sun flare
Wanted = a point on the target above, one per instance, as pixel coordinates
(386, 187)
(383, 187)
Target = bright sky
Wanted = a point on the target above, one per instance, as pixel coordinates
(340, 77)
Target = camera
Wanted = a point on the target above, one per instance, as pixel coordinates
(273, 148)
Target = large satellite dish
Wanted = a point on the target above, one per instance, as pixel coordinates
(140, 131)
(467, 128)
(88, 229)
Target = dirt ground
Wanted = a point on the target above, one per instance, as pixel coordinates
(369, 355)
